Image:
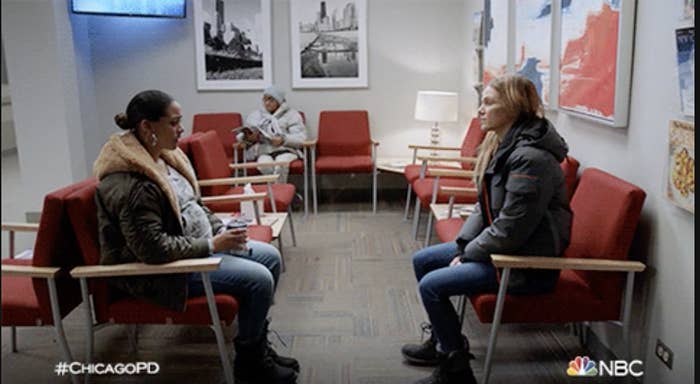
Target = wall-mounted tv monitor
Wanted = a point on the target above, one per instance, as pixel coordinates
(142, 8)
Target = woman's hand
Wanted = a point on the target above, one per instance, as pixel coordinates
(455, 261)
(230, 239)
(277, 141)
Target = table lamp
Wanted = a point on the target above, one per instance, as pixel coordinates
(436, 106)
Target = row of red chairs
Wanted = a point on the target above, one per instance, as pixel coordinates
(343, 145)
(64, 271)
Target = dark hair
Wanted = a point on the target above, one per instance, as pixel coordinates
(149, 105)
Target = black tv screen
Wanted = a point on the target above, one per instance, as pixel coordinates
(147, 8)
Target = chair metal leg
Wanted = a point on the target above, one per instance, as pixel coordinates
(132, 334)
(428, 230)
(58, 325)
(281, 248)
(216, 325)
(374, 189)
(13, 339)
(496, 323)
(416, 218)
(273, 203)
(408, 202)
(313, 181)
(291, 226)
(306, 183)
(627, 313)
(89, 341)
(462, 309)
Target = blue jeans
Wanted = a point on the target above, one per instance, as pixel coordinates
(251, 279)
(437, 281)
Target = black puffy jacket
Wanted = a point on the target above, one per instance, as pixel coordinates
(522, 207)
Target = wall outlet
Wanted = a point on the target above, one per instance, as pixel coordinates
(664, 354)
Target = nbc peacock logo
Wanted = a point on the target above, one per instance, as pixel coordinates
(582, 366)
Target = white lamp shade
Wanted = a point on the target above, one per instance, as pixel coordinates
(436, 106)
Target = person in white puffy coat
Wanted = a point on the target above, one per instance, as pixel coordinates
(282, 133)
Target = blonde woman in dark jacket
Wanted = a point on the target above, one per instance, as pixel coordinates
(149, 210)
(522, 209)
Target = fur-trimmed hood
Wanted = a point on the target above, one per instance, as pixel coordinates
(124, 153)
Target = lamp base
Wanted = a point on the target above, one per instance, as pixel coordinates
(434, 138)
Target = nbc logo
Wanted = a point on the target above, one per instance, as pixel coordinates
(582, 366)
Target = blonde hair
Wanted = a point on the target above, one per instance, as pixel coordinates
(520, 99)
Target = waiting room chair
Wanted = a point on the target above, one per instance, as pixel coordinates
(592, 285)
(110, 307)
(38, 291)
(344, 145)
(221, 123)
(215, 179)
(296, 167)
(467, 157)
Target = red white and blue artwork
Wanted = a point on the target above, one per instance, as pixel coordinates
(685, 48)
(533, 31)
(589, 46)
(495, 39)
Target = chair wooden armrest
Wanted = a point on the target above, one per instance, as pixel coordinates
(239, 197)
(256, 164)
(239, 145)
(29, 271)
(471, 160)
(459, 173)
(375, 143)
(435, 147)
(20, 227)
(238, 180)
(458, 191)
(539, 262)
(309, 143)
(134, 269)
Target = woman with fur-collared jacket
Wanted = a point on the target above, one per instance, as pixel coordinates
(522, 209)
(149, 210)
(283, 133)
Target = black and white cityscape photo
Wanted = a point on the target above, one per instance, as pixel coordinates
(330, 38)
(234, 39)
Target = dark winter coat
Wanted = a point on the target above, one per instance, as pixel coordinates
(139, 219)
(523, 207)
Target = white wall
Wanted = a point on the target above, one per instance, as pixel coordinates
(413, 45)
(665, 242)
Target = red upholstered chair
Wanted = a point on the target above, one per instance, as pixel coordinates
(467, 157)
(344, 145)
(447, 229)
(38, 291)
(185, 144)
(109, 308)
(222, 124)
(296, 167)
(214, 179)
(592, 285)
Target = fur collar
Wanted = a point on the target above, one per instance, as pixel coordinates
(124, 153)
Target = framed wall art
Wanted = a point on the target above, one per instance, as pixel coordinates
(496, 39)
(596, 59)
(685, 51)
(329, 43)
(232, 44)
(680, 183)
(533, 33)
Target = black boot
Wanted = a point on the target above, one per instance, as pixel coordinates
(284, 361)
(426, 353)
(254, 365)
(453, 368)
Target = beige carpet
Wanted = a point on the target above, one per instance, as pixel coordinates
(344, 306)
